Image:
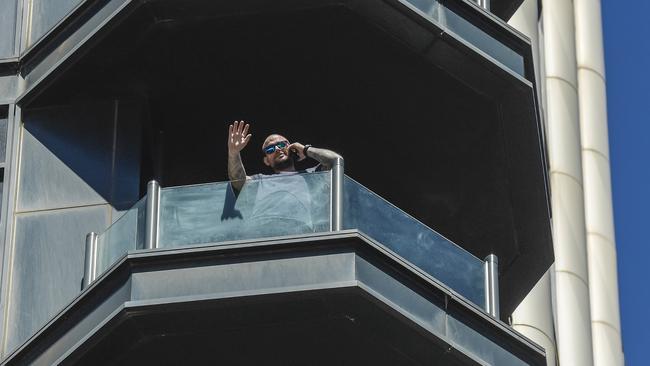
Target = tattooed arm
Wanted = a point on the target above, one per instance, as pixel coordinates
(238, 138)
(327, 158)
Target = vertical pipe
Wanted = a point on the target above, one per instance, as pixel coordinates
(572, 308)
(485, 4)
(336, 209)
(90, 259)
(152, 215)
(601, 243)
(492, 285)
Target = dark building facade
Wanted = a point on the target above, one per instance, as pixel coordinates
(119, 248)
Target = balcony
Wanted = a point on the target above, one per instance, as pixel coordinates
(295, 206)
(456, 76)
(121, 92)
(318, 254)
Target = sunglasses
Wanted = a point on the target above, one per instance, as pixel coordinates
(271, 148)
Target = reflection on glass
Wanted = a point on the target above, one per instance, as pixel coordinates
(413, 241)
(428, 7)
(483, 41)
(449, 20)
(127, 233)
(272, 206)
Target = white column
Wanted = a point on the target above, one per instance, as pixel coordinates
(573, 320)
(603, 283)
(534, 316)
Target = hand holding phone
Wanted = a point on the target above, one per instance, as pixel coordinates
(296, 151)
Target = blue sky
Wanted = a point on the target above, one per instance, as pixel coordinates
(626, 28)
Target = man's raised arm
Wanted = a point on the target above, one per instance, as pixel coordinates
(326, 157)
(238, 138)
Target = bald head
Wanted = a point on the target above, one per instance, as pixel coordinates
(273, 138)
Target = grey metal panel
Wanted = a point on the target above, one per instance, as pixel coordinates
(2, 183)
(66, 156)
(429, 314)
(246, 277)
(102, 314)
(6, 235)
(46, 14)
(470, 339)
(8, 88)
(48, 266)
(8, 18)
(4, 120)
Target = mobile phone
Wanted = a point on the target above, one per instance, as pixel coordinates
(294, 155)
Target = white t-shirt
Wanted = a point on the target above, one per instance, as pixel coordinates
(283, 199)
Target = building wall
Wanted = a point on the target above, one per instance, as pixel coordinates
(76, 172)
(57, 200)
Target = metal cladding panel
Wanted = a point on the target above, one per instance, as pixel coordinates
(86, 324)
(490, 350)
(258, 277)
(8, 88)
(3, 137)
(8, 18)
(68, 157)
(48, 266)
(45, 14)
(428, 313)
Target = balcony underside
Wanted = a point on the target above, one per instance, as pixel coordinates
(321, 299)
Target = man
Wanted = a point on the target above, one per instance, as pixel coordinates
(284, 202)
(277, 154)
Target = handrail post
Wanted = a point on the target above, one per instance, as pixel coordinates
(152, 215)
(485, 4)
(492, 285)
(90, 259)
(336, 209)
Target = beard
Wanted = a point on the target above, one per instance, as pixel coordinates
(283, 164)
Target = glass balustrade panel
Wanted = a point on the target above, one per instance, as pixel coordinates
(295, 204)
(270, 206)
(413, 241)
(449, 20)
(126, 233)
